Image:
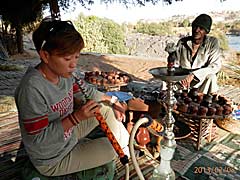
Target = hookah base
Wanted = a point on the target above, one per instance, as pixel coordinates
(157, 176)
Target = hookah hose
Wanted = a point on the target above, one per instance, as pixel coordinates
(153, 124)
(123, 158)
(147, 121)
(112, 139)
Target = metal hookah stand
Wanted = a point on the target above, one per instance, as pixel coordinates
(170, 75)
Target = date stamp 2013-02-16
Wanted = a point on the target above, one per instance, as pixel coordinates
(214, 169)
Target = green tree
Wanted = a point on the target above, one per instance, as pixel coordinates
(19, 14)
(101, 35)
(221, 37)
(236, 25)
(23, 12)
(154, 28)
(186, 23)
(114, 37)
(90, 28)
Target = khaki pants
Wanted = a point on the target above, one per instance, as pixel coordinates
(90, 153)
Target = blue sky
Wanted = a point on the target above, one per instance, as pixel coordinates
(120, 13)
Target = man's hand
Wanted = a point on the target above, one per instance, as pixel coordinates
(187, 81)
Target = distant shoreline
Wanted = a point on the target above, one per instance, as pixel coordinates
(232, 34)
(234, 42)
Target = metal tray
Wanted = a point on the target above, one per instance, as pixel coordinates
(163, 74)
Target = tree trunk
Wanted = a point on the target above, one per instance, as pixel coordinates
(19, 39)
(54, 9)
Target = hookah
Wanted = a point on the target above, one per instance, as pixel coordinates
(170, 75)
(153, 124)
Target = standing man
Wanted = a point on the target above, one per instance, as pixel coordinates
(201, 53)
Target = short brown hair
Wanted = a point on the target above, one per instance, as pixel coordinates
(57, 37)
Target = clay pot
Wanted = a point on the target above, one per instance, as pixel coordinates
(112, 81)
(215, 97)
(222, 100)
(184, 95)
(121, 79)
(97, 73)
(109, 77)
(207, 100)
(143, 136)
(193, 93)
(219, 110)
(93, 80)
(227, 109)
(98, 82)
(111, 73)
(211, 111)
(126, 79)
(202, 111)
(199, 98)
(193, 109)
(104, 74)
(182, 108)
(117, 81)
(187, 100)
(104, 81)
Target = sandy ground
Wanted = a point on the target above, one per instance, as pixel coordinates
(136, 67)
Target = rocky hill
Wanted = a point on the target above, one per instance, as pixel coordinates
(148, 46)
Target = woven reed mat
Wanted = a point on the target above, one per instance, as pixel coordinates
(218, 160)
(146, 165)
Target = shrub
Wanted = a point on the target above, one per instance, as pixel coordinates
(101, 35)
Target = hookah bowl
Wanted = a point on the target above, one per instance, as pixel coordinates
(168, 144)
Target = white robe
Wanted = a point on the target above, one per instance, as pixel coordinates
(208, 62)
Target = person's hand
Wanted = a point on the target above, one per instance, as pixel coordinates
(119, 111)
(88, 110)
(187, 81)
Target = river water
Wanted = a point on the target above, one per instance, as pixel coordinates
(234, 42)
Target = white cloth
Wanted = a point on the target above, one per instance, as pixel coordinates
(206, 65)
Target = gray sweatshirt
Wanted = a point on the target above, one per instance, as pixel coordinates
(41, 106)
